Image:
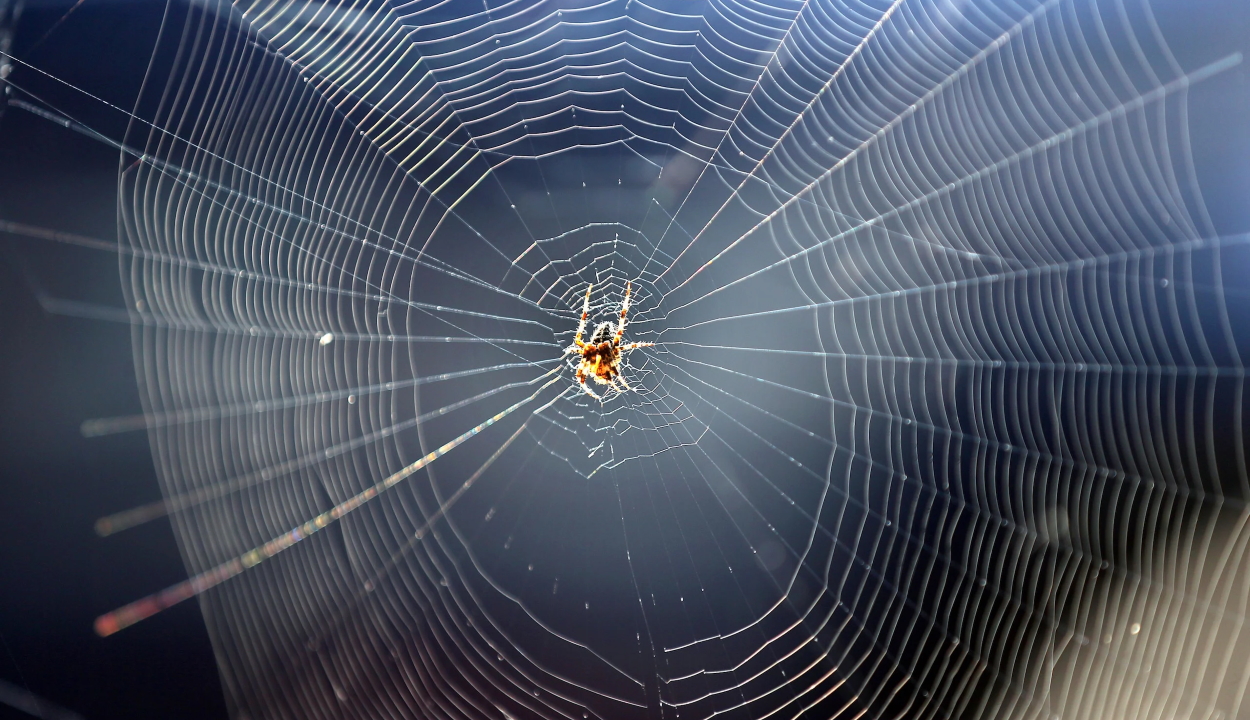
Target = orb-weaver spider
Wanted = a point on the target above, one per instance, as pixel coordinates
(601, 357)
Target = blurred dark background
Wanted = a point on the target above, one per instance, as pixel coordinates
(57, 370)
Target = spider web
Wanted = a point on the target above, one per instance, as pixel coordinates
(944, 411)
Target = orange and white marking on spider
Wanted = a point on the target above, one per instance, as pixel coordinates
(601, 357)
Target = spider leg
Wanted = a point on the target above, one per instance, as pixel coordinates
(620, 328)
(634, 346)
(589, 392)
(581, 326)
(623, 383)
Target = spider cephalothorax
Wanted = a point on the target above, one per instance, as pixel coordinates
(601, 357)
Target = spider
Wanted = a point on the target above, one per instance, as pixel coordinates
(601, 357)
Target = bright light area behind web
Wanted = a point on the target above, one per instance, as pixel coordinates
(921, 279)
